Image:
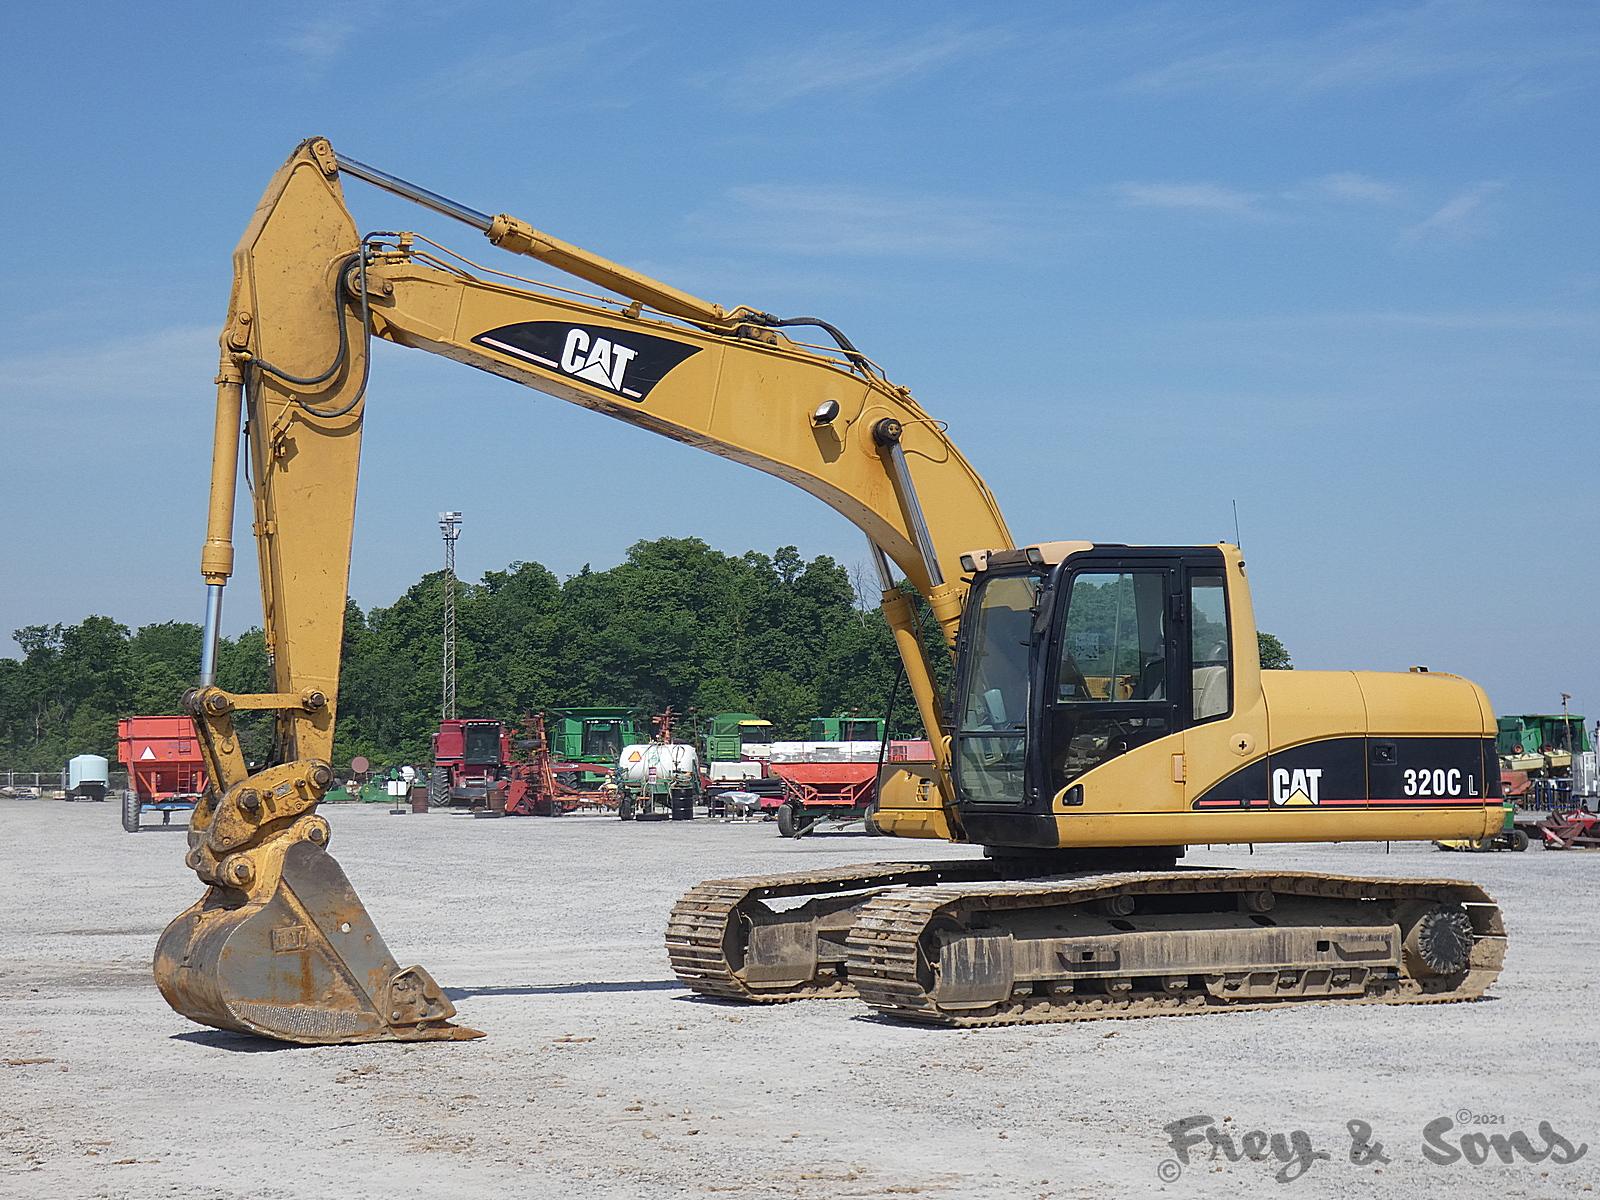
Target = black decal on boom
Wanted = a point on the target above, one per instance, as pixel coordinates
(622, 361)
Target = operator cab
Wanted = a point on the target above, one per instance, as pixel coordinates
(1072, 654)
(754, 733)
(601, 738)
(479, 743)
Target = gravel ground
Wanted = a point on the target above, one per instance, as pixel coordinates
(601, 1077)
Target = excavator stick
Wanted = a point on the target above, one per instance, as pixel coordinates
(279, 945)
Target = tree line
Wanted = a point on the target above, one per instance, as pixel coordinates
(675, 623)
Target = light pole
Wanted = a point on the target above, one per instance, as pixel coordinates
(450, 527)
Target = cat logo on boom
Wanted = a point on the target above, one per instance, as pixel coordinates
(598, 360)
(624, 362)
(1297, 787)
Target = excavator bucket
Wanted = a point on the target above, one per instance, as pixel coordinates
(299, 961)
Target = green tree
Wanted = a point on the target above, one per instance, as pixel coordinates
(1273, 655)
(675, 623)
(162, 660)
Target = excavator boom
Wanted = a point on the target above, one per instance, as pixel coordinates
(309, 294)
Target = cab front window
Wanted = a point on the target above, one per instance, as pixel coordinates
(602, 739)
(992, 732)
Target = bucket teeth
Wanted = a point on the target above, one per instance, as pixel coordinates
(303, 963)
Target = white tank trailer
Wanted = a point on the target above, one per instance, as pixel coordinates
(657, 780)
(88, 777)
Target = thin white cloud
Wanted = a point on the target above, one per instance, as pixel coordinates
(319, 42)
(855, 62)
(559, 55)
(158, 365)
(1461, 218)
(1495, 48)
(1194, 197)
(824, 220)
(1355, 188)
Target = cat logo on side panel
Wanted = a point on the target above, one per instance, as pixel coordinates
(1298, 787)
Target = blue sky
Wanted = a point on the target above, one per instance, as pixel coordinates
(1334, 262)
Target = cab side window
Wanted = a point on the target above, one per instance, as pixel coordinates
(1115, 643)
(1210, 657)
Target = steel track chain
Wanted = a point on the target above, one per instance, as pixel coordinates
(704, 920)
(884, 944)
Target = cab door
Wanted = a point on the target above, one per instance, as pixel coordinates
(1111, 683)
(1223, 763)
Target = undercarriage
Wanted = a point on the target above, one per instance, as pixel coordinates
(970, 943)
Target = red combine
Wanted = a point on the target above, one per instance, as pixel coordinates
(165, 771)
(470, 756)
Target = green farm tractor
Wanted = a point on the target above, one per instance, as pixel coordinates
(846, 729)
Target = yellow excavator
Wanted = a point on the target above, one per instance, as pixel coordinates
(1108, 709)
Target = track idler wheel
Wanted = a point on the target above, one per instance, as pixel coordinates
(1439, 942)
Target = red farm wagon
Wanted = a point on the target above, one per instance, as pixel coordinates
(820, 790)
(166, 773)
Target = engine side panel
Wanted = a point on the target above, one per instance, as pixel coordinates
(1400, 757)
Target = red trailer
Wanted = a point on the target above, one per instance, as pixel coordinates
(814, 792)
(166, 773)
